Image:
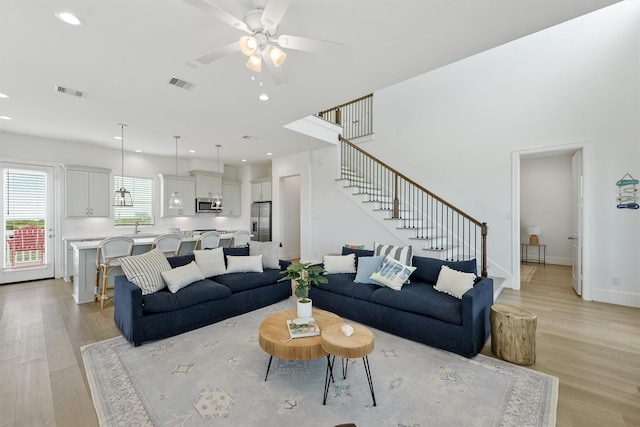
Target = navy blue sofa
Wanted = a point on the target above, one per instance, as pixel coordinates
(417, 312)
(163, 314)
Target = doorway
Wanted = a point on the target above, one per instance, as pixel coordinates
(27, 218)
(290, 192)
(548, 191)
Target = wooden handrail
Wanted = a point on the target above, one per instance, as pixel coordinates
(337, 107)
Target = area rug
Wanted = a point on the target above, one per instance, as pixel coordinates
(527, 272)
(214, 376)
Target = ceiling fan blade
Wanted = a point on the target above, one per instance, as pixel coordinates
(277, 73)
(219, 53)
(306, 44)
(219, 13)
(273, 13)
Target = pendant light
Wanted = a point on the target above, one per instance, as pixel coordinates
(176, 197)
(216, 203)
(122, 197)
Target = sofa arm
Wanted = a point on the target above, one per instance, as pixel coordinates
(127, 308)
(476, 306)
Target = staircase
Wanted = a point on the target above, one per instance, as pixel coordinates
(434, 227)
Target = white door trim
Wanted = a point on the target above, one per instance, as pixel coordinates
(515, 209)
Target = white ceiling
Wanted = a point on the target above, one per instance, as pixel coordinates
(126, 51)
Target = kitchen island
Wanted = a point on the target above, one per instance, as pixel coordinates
(85, 254)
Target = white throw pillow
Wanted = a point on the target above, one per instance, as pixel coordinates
(392, 273)
(179, 277)
(334, 264)
(270, 252)
(211, 262)
(454, 282)
(145, 270)
(244, 264)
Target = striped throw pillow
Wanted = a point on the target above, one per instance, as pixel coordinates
(404, 254)
(145, 270)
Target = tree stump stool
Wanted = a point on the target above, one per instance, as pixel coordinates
(513, 334)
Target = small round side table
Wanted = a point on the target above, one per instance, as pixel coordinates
(360, 344)
(513, 334)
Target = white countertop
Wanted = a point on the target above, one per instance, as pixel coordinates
(145, 239)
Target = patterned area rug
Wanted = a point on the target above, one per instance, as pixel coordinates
(215, 376)
(527, 272)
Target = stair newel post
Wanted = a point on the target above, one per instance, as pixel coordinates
(484, 232)
(396, 201)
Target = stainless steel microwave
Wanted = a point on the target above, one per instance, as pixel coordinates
(205, 205)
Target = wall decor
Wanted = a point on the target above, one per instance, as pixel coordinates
(627, 193)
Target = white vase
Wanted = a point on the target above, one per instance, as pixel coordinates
(304, 308)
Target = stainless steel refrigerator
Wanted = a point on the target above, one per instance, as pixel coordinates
(261, 221)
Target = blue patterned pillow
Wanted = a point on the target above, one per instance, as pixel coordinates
(392, 273)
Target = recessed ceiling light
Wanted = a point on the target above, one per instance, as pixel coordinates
(269, 154)
(192, 151)
(138, 150)
(3, 95)
(69, 18)
(263, 97)
(244, 160)
(5, 118)
(117, 137)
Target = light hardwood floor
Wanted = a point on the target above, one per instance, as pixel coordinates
(593, 348)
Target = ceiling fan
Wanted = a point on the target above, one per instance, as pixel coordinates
(261, 44)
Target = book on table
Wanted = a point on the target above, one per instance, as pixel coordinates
(303, 327)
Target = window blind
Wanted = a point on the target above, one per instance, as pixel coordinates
(25, 198)
(141, 190)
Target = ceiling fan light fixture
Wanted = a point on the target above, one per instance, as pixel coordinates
(255, 62)
(277, 56)
(248, 45)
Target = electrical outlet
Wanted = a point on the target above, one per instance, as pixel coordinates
(615, 281)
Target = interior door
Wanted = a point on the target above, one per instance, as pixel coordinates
(26, 212)
(576, 221)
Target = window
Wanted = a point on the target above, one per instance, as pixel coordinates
(142, 193)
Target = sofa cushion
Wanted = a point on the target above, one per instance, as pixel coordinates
(404, 254)
(244, 264)
(392, 273)
(196, 293)
(343, 284)
(211, 262)
(454, 282)
(270, 252)
(421, 298)
(367, 265)
(334, 264)
(179, 261)
(145, 270)
(239, 282)
(179, 277)
(428, 269)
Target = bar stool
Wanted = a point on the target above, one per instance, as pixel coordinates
(208, 240)
(107, 258)
(239, 239)
(169, 244)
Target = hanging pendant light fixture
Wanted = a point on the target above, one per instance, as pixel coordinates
(176, 197)
(216, 203)
(122, 197)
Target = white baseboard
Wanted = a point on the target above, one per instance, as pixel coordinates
(615, 297)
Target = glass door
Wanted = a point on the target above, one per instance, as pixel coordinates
(27, 218)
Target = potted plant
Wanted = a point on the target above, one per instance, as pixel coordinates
(304, 275)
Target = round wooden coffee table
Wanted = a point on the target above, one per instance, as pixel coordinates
(273, 336)
(335, 343)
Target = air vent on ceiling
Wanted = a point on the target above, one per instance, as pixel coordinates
(181, 83)
(69, 91)
(249, 137)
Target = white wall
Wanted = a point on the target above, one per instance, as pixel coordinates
(545, 200)
(454, 130)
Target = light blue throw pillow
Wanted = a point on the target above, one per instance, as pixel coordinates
(366, 267)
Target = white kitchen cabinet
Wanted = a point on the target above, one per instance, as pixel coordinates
(186, 186)
(261, 191)
(208, 184)
(230, 198)
(87, 192)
